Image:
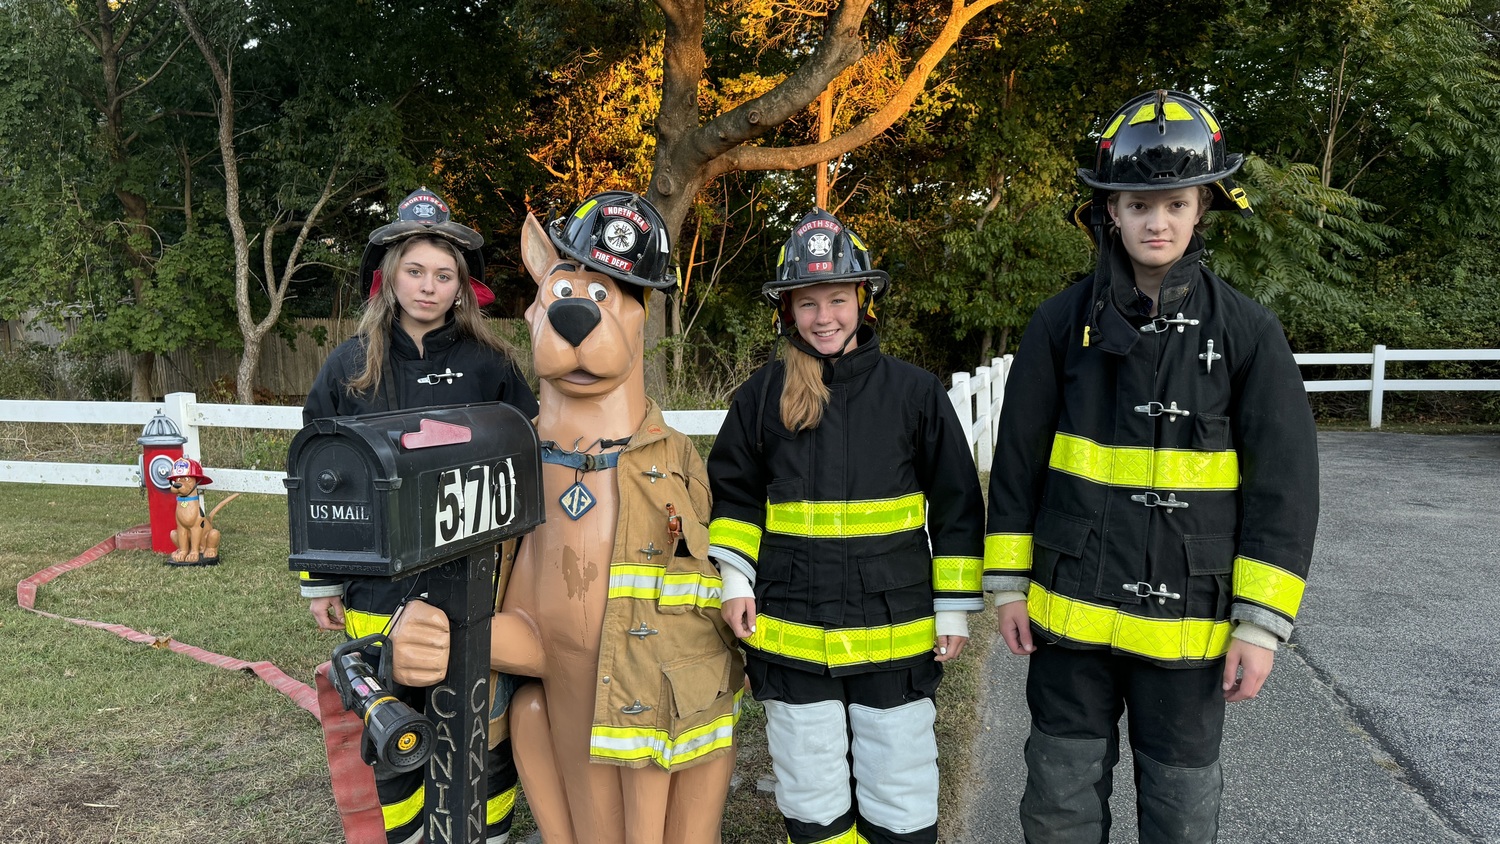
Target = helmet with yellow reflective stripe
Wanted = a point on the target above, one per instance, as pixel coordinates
(1166, 140)
(820, 250)
(620, 234)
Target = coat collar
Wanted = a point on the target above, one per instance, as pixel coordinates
(436, 340)
(1114, 317)
(653, 427)
(856, 361)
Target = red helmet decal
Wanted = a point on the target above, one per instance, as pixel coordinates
(610, 260)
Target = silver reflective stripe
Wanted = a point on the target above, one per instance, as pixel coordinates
(665, 749)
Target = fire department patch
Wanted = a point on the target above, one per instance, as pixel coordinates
(619, 235)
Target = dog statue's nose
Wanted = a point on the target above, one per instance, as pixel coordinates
(573, 318)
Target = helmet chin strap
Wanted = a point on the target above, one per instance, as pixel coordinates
(795, 338)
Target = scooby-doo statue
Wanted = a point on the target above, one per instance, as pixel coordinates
(613, 605)
(196, 537)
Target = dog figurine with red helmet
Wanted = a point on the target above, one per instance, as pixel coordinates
(196, 537)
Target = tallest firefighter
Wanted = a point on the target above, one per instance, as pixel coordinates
(1155, 494)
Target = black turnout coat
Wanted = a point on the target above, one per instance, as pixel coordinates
(854, 532)
(1155, 480)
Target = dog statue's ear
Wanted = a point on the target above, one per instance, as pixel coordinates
(537, 251)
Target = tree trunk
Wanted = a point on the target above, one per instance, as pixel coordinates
(140, 377)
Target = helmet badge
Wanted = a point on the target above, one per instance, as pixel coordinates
(619, 236)
(819, 245)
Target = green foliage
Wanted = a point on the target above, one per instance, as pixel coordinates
(1301, 251)
(41, 372)
(30, 371)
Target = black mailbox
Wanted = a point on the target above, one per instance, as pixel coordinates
(391, 494)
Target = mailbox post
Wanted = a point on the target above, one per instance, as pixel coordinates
(392, 494)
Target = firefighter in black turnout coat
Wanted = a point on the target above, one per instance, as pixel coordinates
(834, 470)
(1154, 497)
(421, 342)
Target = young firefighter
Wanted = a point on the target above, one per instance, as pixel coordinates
(421, 342)
(847, 525)
(1154, 497)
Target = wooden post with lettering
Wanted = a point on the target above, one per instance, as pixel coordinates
(457, 782)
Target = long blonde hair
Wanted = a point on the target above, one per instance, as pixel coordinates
(804, 396)
(381, 309)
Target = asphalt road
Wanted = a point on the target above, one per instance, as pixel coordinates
(1381, 720)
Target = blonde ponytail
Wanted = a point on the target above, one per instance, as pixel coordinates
(804, 396)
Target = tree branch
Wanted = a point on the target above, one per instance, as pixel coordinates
(152, 78)
(793, 158)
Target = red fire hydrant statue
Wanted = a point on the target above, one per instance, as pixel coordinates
(161, 445)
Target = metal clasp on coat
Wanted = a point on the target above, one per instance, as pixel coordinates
(446, 377)
(1160, 324)
(1142, 589)
(635, 708)
(642, 632)
(1151, 499)
(1156, 408)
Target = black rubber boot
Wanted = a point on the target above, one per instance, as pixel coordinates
(1177, 805)
(1068, 783)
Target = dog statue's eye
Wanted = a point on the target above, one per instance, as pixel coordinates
(597, 292)
(562, 288)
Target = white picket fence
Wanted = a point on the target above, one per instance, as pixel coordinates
(977, 398)
(1377, 385)
(190, 417)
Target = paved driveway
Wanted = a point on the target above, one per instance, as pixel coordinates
(1381, 723)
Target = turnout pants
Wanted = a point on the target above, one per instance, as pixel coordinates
(1176, 724)
(855, 757)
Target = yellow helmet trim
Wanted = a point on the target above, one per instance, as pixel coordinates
(1176, 111)
(1114, 127)
(781, 259)
(1213, 125)
(1145, 113)
(585, 208)
(857, 244)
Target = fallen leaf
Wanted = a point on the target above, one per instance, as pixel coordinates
(162, 642)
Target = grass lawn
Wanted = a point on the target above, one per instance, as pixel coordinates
(103, 740)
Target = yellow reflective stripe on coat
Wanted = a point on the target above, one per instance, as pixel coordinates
(635, 744)
(957, 574)
(733, 533)
(675, 589)
(1135, 466)
(1157, 638)
(403, 812)
(842, 519)
(359, 624)
(1007, 552)
(843, 647)
(497, 807)
(1266, 584)
(848, 836)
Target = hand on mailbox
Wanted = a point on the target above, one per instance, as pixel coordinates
(419, 645)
